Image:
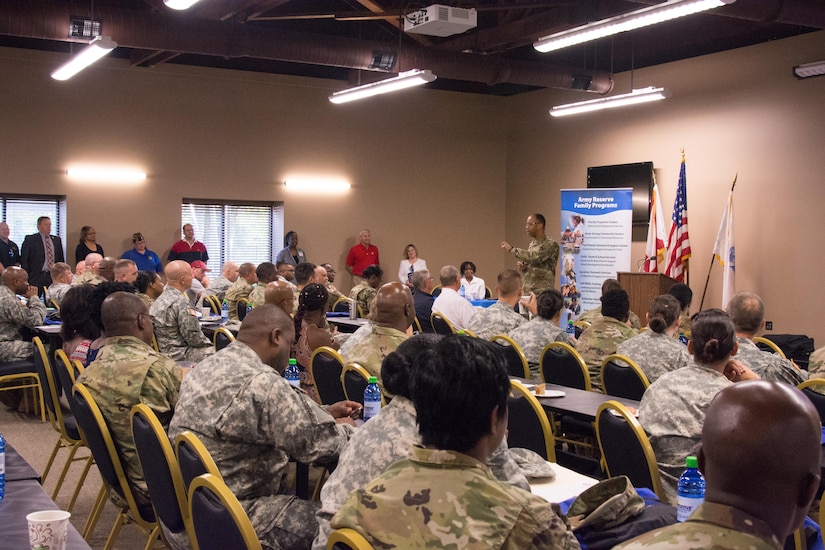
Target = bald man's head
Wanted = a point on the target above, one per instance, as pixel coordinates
(270, 333)
(394, 306)
(279, 294)
(92, 262)
(16, 279)
(106, 268)
(125, 314)
(178, 275)
(761, 452)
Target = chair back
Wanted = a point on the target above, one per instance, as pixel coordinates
(341, 305)
(243, 303)
(347, 539)
(528, 426)
(160, 468)
(812, 388)
(626, 448)
(417, 325)
(766, 344)
(326, 366)
(213, 303)
(516, 361)
(155, 342)
(622, 377)
(441, 325)
(78, 367)
(51, 392)
(354, 379)
(436, 292)
(193, 458)
(579, 326)
(487, 293)
(66, 374)
(561, 364)
(98, 438)
(218, 520)
(222, 338)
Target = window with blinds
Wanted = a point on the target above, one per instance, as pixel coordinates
(251, 232)
(21, 213)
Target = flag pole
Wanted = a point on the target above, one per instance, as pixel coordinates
(713, 255)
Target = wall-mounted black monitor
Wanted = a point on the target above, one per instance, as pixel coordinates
(637, 175)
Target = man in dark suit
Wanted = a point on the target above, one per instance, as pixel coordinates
(39, 253)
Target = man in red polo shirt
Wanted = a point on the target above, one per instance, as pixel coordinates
(361, 255)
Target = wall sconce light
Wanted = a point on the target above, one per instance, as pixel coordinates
(642, 95)
(96, 49)
(316, 184)
(808, 70)
(105, 175)
(407, 79)
(625, 22)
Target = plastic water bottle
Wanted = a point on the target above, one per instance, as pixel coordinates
(372, 399)
(462, 292)
(224, 312)
(2, 466)
(691, 490)
(292, 374)
(571, 330)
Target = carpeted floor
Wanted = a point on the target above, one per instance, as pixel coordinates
(34, 440)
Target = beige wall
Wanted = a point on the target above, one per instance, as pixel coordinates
(426, 167)
(453, 173)
(739, 111)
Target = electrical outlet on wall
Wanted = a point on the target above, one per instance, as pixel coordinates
(768, 325)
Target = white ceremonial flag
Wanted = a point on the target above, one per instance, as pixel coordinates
(725, 252)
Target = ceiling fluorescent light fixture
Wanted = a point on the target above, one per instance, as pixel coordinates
(96, 49)
(642, 95)
(105, 175)
(316, 184)
(625, 22)
(407, 79)
(180, 4)
(809, 69)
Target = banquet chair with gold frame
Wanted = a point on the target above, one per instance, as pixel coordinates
(218, 519)
(528, 425)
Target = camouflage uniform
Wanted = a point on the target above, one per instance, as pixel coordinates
(711, 525)
(126, 372)
(377, 444)
(251, 421)
(499, 318)
(334, 295)
(239, 289)
(177, 329)
(672, 413)
(600, 340)
(541, 258)
(655, 353)
(256, 297)
(14, 316)
(685, 325)
(218, 287)
(593, 315)
(369, 345)
(445, 499)
(363, 294)
(533, 336)
(146, 300)
(816, 364)
(88, 278)
(56, 292)
(767, 365)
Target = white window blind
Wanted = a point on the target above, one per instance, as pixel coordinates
(236, 232)
(21, 213)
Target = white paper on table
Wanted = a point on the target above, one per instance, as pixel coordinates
(567, 484)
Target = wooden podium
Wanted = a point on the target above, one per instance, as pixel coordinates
(642, 288)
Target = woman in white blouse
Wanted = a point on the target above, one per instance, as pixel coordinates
(410, 264)
(474, 288)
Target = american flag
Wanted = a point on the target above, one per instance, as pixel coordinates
(678, 242)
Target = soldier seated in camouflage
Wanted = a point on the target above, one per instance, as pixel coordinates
(758, 489)
(90, 272)
(443, 494)
(593, 315)
(241, 288)
(501, 317)
(279, 294)
(684, 294)
(364, 293)
(603, 337)
(747, 311)
(61, 283)
(128, 371)
(534, 335)
(14, 315)
(390, 435)
(220, 284)
(177, 329)
(252, 421)
(673, 408)
(266, 273)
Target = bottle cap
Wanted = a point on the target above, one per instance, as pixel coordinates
(373, 380)
(293, 361)
(691, 462)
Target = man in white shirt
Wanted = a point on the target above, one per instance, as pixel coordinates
(449, 303)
